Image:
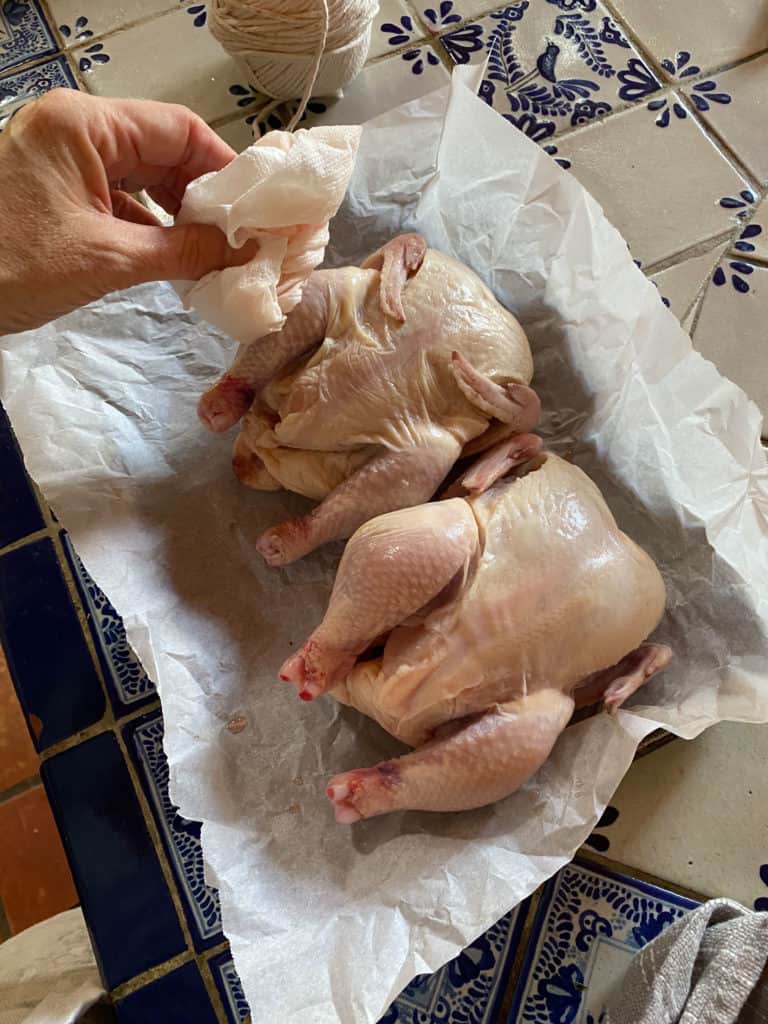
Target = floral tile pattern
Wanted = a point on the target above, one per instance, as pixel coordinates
(144, 739)
(588, 925)
(25, 34)
(469, 987)
(660, 215)
(127, 681)
(22, 86)
(230, 988)
(83, 19)
(554, 65)
(739, 121)
(394, 27)
(717, 31)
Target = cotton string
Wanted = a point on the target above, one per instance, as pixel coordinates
(294, 49)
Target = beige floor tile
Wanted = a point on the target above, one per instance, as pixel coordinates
(741, 121)
(693, 813)
(731, 330)
(393, 27)
(237, 134)
(641, 175)
(715, 32)
(753, 240)
(79, 21)
(169, 58)
(681, 284)
(442, 15)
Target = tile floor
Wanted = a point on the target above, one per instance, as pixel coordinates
(658, 108)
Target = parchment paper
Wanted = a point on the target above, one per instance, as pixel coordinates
(326, 922)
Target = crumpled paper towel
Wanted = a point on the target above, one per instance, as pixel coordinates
(281, 191)
(48, 973)
(328, 923)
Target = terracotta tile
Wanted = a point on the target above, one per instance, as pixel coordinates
(735, 104)
(18, 760)
(714, 32)
(35, 881)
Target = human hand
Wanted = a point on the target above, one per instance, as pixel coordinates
(69, 230)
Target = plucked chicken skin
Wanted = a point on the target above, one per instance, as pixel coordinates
(382, 377)
(499, 611)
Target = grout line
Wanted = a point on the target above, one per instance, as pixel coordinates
(520, 954)
(29, 539)
(20, 787)
(5, 928)
(153, 974)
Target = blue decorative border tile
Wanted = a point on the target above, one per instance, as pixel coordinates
(129, 685)
(181, 838)
(228, 983)
(19, 88)
(52, 668)
(24, 33)
(589, 922)
(468, 988)
(127, 905)
(19, 511)
(177, 998)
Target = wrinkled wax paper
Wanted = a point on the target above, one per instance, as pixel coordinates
(329, 922)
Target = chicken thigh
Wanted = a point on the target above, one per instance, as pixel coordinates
(381, 379)
(499, 612)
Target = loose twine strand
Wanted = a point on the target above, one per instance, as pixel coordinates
(292, 49)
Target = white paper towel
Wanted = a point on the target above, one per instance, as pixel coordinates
(281, 191)
(326, 922)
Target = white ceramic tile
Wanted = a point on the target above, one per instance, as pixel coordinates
(641, 174)
(384, 85)
(552, 67)
(394, 26)
(237, 134)
(752, 241)
(715, 32)
(680, 285)
(693, 813)
(168, 58)
(441, 15)
(736, 106)
(80, 20)
(731, 330)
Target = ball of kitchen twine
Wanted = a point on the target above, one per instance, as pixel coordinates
(294, 49)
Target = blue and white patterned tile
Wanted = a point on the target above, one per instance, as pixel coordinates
(588, 925)
(172, 57)
(394, 26)
(718, 32)
(553, 65)
(440, 15)
(470, 987)
(181, 838)
(129, 685)
(29, 83)
(230, 988)
(681, 284)
(659, 214)
(80, 20)
(735, 104)
(752, 241)
(25, 34)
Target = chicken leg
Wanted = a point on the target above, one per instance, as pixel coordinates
(392, 479)
(397, 260)
(471, 764)
(381, 582)
(258, 362)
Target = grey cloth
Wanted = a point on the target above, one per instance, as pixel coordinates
(701, 970)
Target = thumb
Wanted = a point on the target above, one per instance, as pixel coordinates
(185, 252)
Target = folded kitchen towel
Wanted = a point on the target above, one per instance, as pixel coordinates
(281, 191)
(701, 970)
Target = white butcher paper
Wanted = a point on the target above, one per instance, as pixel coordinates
(281, 191)
(328, 923)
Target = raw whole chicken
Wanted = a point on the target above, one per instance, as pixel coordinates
(499, 612)
(383, 376)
